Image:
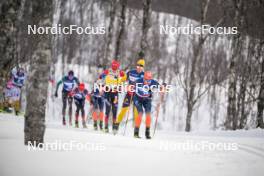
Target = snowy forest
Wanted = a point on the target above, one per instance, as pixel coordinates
(216, 81)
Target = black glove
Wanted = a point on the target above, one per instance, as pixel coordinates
(56, 94)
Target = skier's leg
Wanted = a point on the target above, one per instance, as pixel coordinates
(135, 114)
(91, 109)
(17, 99)
(107, 110)
(77, 114)
(101, 117)
(124, 109)
(6, 104)
(16, 105)
(114, 109)
(95, 117)
(101, 114)
(83, 114)
(123, 112)
(147, 107)
(70, 99)
(138, 118)
(64, 106)
(95, 114)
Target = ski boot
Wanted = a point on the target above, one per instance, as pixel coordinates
(63, 121)
(147, 133)
(115, 128)
(7, 110)
(70, 121)
(76, 124)
(84, 124)
(17, 113)
(101, 125)
(106, 129)
(136, 132)
(95, 125)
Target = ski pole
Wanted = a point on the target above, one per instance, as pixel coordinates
(128, 114)
(157, 113)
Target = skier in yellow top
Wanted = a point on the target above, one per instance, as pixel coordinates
(112, 77)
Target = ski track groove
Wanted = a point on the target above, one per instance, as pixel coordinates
(252, 150)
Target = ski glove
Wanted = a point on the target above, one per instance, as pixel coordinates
(56, 94)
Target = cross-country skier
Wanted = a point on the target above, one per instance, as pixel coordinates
(13, 89)
(131, 76)
(80, 94)
(112, 78)
(69, 82)
(97, 101)
(142, 101)
(18, 77)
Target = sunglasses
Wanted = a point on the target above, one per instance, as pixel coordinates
(140, 66)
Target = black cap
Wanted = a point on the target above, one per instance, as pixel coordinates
(70, 72)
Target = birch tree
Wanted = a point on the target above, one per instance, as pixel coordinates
(122, 23)
(192, 81)
(8, 28)
(38, 75)
(146, 23)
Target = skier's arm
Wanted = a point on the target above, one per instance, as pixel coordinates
(87, 95)
(160, 86)
(127, 75)
(77, 81)
(57, 87)
(73, 92)
(122, 76)
(155, 83)
(21, 81)
(103, 75)
(18, 84)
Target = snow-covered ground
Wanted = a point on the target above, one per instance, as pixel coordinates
(124, 155)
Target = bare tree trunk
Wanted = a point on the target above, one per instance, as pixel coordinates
(190, 99)
(192, 82)
(189, 116)
(8, 18)
(215, 107)
(260, 122)
(110, 30)
(145, 26)
(38, 76)
(241, 103)
(231, 121)
(63, 37)
(122, 23)
(80, 59)
(231, 109)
